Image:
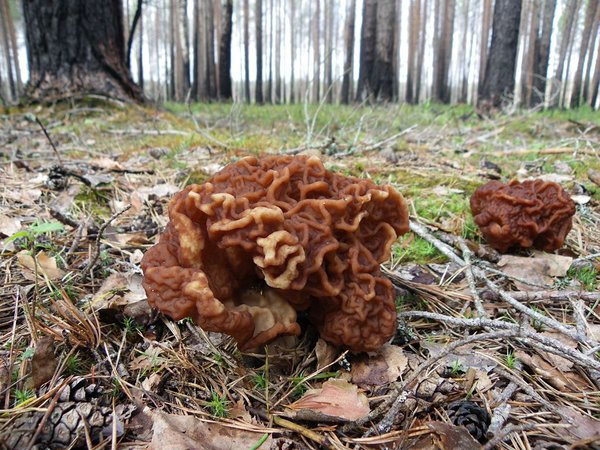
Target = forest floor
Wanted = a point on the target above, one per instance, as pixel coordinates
(507, 346)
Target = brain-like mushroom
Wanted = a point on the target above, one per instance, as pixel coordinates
(534, 213)
(266, 238)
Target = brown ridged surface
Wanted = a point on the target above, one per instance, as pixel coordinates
(267, 237)
(534, 213)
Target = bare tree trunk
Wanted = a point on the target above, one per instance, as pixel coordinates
(444, 49)
(368, 42)
(269, 96)
(89, 59)
(590, 12)
(486, 27)
(542, 53)
(529, 31)
(225, 91)
(413, 38)
(278, 38)
(567, 20)
(465, 55)
(141, 54)
(499, 80)
(346, 94)
(329, 17)
(177, 77)
(210, 51)
(185, 47)
(292, 50)
(247, 50)
(420, 53)
(316, 32)
(383, 75)
(8, 50)
(259, 53)
(592, 46)
(595, 85)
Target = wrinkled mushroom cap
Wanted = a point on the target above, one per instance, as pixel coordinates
(534, 213)
(266, 238)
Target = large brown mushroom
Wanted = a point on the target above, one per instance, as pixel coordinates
(266, 238)
(534, 213)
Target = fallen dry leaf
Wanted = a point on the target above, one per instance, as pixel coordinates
(582, 427)
(46, 265)
(336, 399)
(326, 353)
(106, 163)
(385, 367)
(172, 432)
(9, 225)
(44, 362)
(537, 270)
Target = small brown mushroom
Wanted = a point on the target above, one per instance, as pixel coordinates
(534, 213)
(266, 238)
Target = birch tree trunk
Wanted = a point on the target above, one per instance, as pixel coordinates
(584, 48)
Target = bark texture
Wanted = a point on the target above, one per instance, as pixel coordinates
(225, 52)
(499, 79)
(76, 47)
(346, 94)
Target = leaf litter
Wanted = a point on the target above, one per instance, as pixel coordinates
(84, 316)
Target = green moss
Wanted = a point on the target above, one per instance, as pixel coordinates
(411, 248)
(587, 275)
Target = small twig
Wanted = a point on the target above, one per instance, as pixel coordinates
(39, 122)
(309, 434)
(471, 278)
(503, 434)
(96, 255)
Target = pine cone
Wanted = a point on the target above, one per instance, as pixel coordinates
(471, 416)
(79, 408)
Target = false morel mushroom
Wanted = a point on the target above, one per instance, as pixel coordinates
(267, 238)
(534, 213)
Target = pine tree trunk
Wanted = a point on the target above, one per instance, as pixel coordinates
(329, 17)
(6, 48)
(420, 54)
(542, 53)
(316, 33)
(413, 38)
(141, 55)
(247, 50)
(590, 12)
(486, 26)
(567, 20)
(499, 80)
(595, 85)
(76, 47)
(259, 53)
(269, 96)
(278, 38)
(14, 49)
(225, 91)
(383, 75)
(346, 94)
(592, 46)
(444, 49)
(210, 51)
(292, 51)
(368, 42)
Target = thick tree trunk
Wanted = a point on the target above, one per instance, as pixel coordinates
(76, 47)
(590, 12)
(349, 53)
(368, 42)
(259, 53)
(225, 52)
(445, 52)
(383, 75)
(542, 53)
(499, 79)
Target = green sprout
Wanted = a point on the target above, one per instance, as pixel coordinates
(218, 405)
(511, 360)
(31, 234)
(456, 368)
(21, 396)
